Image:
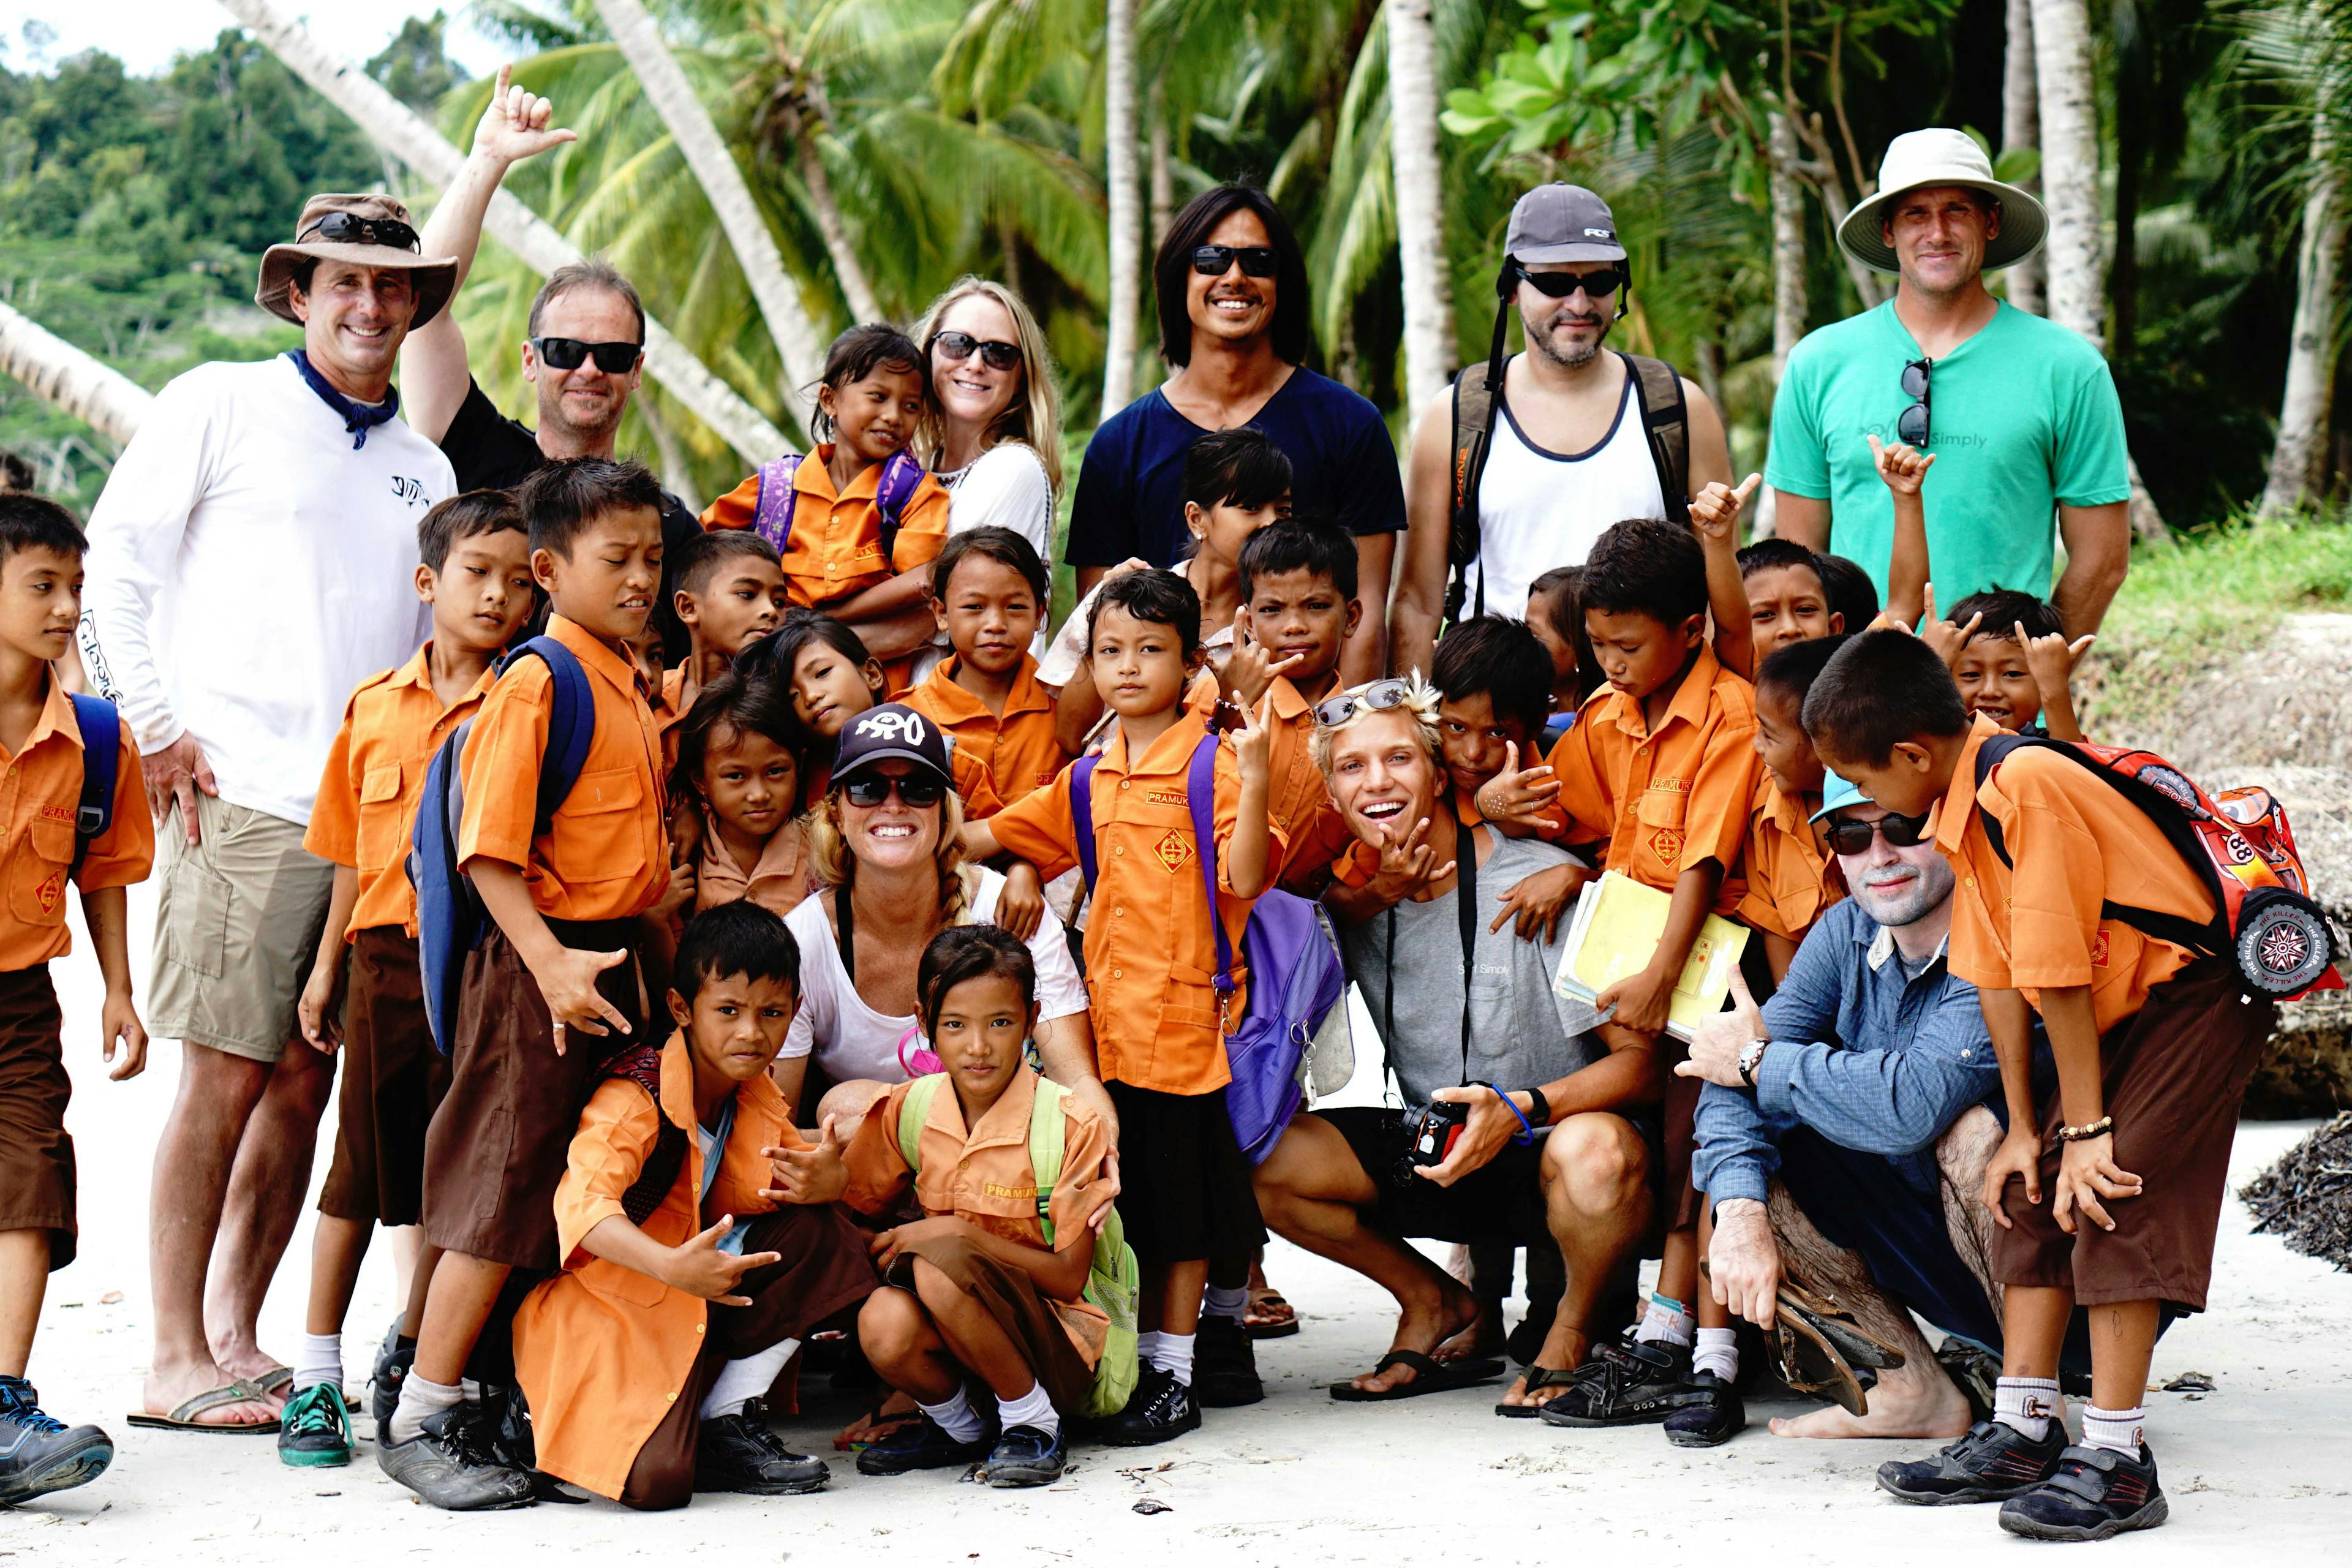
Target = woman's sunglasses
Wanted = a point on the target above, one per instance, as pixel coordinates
(960, 346)
(1561, 285)
(867, 791)
(1378, 698)
(1855, 837)
(566, 354)
(1911, 425)
(1216, 260)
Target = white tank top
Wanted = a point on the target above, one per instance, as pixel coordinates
(1538, 510)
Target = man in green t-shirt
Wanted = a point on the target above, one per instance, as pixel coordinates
(2020, 413)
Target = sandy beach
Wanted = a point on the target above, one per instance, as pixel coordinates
(2263, 1465)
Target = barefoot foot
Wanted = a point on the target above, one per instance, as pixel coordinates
(1925, 1406)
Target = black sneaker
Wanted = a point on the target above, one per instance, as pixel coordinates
(393, 1360)
(1160, 1409)
(443, 1464)
(1224, 1366)
(314, 1430)
(1993, 1462)
(738, 1454)
(1629, 1382)
(39, 1453)
(924, 1445)
(1025, 1457)
(1717, 1417)
(2096, 1493)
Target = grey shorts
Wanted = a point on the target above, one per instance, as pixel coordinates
(237, 929)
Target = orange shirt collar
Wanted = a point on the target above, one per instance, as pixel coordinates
(1003, 1125)
(1170, 754)
(418, 672)
(56, 718)
(958, 705)
(814, 477)
(618, 671)
(760, 1094)
(1960, 801)
(779, 857)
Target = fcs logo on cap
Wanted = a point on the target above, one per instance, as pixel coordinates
(902, 726)
(1599, 234)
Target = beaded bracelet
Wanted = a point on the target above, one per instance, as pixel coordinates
(2099, 1129)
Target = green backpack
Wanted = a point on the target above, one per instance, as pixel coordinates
(1113, 1283)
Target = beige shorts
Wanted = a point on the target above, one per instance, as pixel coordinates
(237, 929)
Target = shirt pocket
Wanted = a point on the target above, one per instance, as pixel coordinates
(598, 830)
(36, 881)
(610, 1279)
(379, 827)
(1661, 814)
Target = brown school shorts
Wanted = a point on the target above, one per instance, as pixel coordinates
(1008, 1295)
(393, 1078)
(497, 1148)
(2173, 1074)
(36, 1155)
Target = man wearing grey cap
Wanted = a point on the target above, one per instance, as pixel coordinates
(1502, 488)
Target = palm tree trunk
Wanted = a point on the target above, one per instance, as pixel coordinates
(2311, 356)
(56, 372)
(1126, 202)
(2070, 184)
(1163, 171)
(1414, 160)
(401, 132)
(665, 86)
(1788, 242)
(2020, 126)
(854, 288)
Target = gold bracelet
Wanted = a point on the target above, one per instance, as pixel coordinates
(2099, 1129)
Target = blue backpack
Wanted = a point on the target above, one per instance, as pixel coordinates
(771, 519)
(1295, 977)
(101, 762)
(450, 918)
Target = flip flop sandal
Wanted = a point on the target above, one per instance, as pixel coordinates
(1810, 1338)
(1280, 1326)
(1860, 1347)
(1429, 1376)
(1539, 1379)
(183, 1418)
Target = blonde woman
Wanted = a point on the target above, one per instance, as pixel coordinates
(994, 432)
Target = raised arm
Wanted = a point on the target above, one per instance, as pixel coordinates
(433, 370)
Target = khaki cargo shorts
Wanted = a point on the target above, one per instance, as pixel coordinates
(237, 929)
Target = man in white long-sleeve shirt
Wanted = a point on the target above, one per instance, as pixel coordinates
(251, 561)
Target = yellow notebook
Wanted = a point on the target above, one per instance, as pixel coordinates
(1615, 929)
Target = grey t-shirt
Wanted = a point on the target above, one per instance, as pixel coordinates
(1521, 1036)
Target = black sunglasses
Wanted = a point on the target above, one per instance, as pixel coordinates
(1216, 260)
(869, 790)
(960, 346)
(1378, 698)
(1911, 425)
(1561, 285)
(1855, 837)
(566, 354)
(350, 228)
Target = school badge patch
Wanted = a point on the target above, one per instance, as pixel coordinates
(1174, 850)
(51, 890)
(1666, 844)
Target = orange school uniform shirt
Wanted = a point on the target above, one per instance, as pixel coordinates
(1015, 748)
(1298, 800)
(605, 855)
(981, 1175)
(392, 726)
(1151, 953)
(2077, 845)
(39, 791)
(1664, 801)
(1787, 872)
(782, 878)
(603, 1352)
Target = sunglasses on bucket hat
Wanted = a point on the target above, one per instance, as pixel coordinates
(350, 229)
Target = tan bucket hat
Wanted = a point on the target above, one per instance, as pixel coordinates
(1940, 156)
(366, 230)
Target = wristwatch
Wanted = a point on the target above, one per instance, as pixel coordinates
(1751, 1056)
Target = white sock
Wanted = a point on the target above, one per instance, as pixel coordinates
(1224, 1301)
(470, 1389)
(1171, 1353)
(956, 1417)
(1031, 1409)
(746, 1378)
(1719, 1352)
(1666, 1321)
(317, 1358)
(2116, 1429)
(2027, 1404)
(419, 1398)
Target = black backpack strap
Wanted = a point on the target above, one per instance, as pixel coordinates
(1665, 422)
(1477, 390)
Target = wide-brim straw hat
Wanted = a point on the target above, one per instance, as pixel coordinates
(1918, 158)
(436, 276)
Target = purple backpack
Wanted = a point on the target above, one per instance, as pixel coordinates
(1295, 977)
(901, 478)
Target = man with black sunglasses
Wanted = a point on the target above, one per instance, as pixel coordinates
(1845, 1127)
(2020, 414)
(582, 351)
(1574, 440)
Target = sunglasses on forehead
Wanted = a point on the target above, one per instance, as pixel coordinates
(958, 347)
(1216, 260)
(869, 790)
(1855, 837)
(1561, 285)
(568, 354)
(350, 229)
(1378, 698)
